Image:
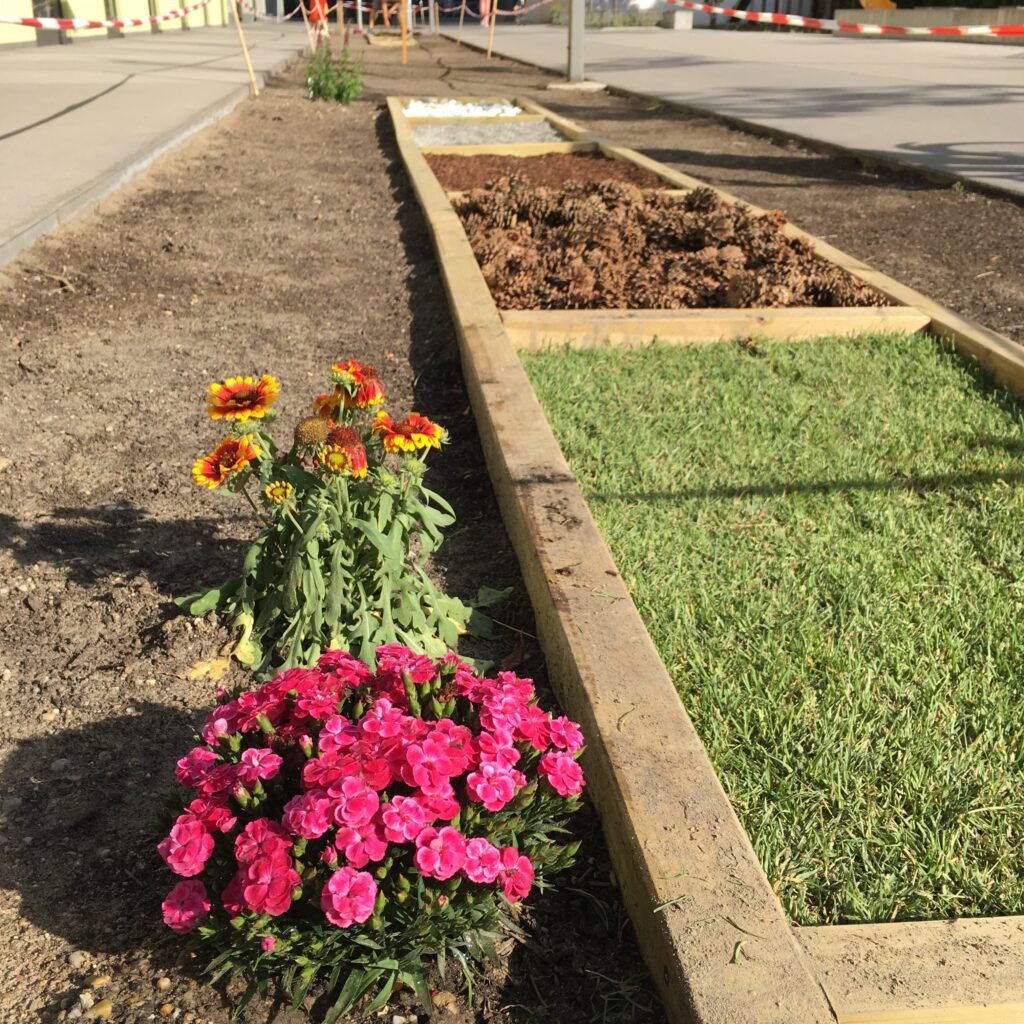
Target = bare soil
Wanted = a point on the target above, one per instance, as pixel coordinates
(234, 254)
(552, 170)
(279, 240)
(614, 246)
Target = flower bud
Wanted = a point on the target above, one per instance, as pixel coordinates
(265, 724)
(242, 798)
(401, 897)
(382, 902)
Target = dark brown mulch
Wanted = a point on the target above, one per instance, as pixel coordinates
(282, 239)
(552, 170)
(613, 246)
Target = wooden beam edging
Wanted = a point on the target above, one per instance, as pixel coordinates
(997, 354)
(968, 971)
(627, 328)
(508, 148)
(711, 930)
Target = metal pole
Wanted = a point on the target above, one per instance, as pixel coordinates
(577, 22)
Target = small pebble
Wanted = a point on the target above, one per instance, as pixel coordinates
(60, 765)
(163, 984)
(87, 1000)
(49, 716)
(166, 1010)
(78, 959)
(103, 1010)
(6, 675)
(100, 980)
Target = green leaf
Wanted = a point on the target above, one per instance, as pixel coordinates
(487, 597)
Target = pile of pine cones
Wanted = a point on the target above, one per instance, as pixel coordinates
(613, 246)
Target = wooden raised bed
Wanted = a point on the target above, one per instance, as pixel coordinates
(715, 938)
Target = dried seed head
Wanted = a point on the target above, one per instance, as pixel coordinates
(311, 430)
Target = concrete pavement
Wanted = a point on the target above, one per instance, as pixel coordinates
(77, 121)
(956, 108)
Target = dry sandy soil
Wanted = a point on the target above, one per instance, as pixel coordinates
(280, 240)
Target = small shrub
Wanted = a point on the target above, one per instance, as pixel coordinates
(333, 78)
(348, 528)
(359, 828)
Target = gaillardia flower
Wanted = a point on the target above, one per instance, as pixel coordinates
(229, 457)
(415, 431)
(278, 492)
(335, 459)
(242, 398)
(352, 442)
(361, 385)
(326, 406)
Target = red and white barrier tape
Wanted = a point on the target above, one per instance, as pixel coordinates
(70, 23)
(831, 25)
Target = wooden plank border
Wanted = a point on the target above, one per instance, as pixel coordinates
(690, 879)
(565, 566)
(509, 149)
(878, 973)
(624, 328)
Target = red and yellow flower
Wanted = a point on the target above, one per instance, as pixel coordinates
(278, 492)
(415, 431)
(335, 459)
(359, 384)
(242, 398)
(229, 457)
(352, 442)
(326, 406)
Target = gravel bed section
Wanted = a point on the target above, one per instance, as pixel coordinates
(485, 134)
(456, 108)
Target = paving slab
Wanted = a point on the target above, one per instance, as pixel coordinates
(956, 108)
(79, 120)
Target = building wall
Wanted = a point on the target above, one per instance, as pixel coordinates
(215, 13)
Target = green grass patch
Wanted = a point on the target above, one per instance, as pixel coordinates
(826, 540)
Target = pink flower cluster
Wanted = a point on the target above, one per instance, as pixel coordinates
(334, 768)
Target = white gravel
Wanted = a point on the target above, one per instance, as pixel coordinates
(456, 108)
(477, 134)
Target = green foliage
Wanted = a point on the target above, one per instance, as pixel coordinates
(333, 78)
(827, 541)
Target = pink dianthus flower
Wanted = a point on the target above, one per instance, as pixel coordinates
(348, 897)
(267, 884)
(195, 766)
(491, 785)
(516, 874)
(483, 861)
(185, 906)
(307, 815)
(258, 763)
(562, 771)
(188, 846)
(261, 838)
(352, 801)
(440, 853)
(404, 818)
(359, 846)
(566, 735)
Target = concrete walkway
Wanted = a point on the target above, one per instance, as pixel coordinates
(76, 121)
(953, 107)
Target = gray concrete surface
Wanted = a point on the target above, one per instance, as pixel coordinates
(955, 108)
(77, 121)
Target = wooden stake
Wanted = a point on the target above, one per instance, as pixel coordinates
(245, 49)
(339, 14)
(490, 34)
(462, 18)
(402, 24)
(305, 21)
